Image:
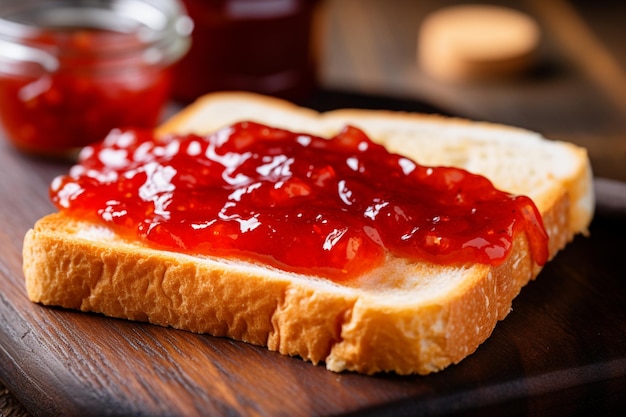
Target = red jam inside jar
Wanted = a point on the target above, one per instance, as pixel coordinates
(264, 46)
(330, 207)
(72, 71)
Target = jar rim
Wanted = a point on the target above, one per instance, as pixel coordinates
(161, 27)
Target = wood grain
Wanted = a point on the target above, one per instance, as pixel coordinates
(9, 405)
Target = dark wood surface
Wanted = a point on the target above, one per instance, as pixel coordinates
(561, 351)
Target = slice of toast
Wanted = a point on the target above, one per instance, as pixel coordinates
(405, 316)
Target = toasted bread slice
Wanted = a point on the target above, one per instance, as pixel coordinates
(406, 316)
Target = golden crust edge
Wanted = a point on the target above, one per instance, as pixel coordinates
(334, 327)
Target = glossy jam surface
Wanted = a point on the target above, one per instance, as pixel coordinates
(93, 90)
(330, 207)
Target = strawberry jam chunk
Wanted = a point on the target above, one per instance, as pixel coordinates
(330, 207)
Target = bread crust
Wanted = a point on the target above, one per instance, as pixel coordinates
(345, 327)
(399, 318)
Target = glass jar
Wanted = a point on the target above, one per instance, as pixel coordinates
(264, 46)
(72, 70)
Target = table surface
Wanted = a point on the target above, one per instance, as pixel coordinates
(563, 347)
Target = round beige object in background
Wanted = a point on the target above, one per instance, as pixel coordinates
(469, 42)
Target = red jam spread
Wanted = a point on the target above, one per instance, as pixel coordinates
(92, 91)
(330, 207)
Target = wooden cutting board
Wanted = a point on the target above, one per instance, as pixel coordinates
(561, 349)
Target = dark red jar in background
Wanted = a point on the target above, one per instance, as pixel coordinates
(71, 70)
(264, 46)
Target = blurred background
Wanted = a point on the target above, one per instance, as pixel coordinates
(557, 67)
(574, 90)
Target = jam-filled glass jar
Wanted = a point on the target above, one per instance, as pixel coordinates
(72, 70)
(264, 46)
